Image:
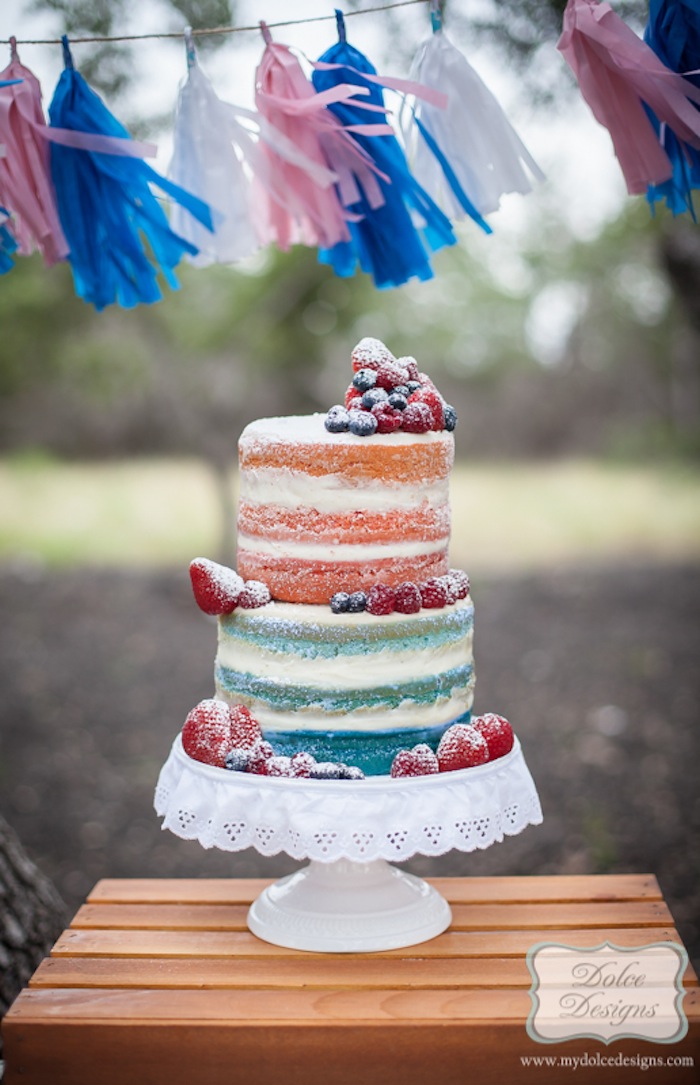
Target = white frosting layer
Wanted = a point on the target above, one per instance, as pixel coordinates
(324, 552)
(334, 493)
(310, 429)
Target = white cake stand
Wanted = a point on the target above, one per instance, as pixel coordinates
(349, 898)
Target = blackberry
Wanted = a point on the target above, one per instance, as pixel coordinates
(362, 423)
(357, 602)
(398, 401)
(339, 602)
(364, 379)
(352, 772)
(237, 760)
(337, 419)
(326, 770)
(374, 396)
(450, 417)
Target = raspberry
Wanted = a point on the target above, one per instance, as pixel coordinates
(461, 582)
(302, 764)
(388, 419)
(245, 729)
(417, 418)
(255, 594)
(410, 365)
(206, 734)
(420, 761)
(433, 593)
(364, 379)
(407, 598)
(451, 595)
(497, 732)
(370, 354)
(259, 756)
(216, 588)
(380, 599)
(351, 395)
(389, 375)
(461, 747)
(337, 419)
(362, 423)
(279, 766)
(432, 398)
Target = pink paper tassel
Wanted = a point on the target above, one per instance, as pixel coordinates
(25, 183)
(617, 73)
(311, 211)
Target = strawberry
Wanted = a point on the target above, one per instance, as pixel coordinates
(255, 594)
(433, 593)
(460, 581)
(497, 732)
(432, 398)
(216, 588)
(370, 354)
(417, 418)
(380, 599)
(245, 729)
(388, 419)
(407, 598)
(461, 747)
(206, 734)
(391, 375)
(420, 761)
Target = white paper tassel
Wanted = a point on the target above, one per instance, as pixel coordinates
(205, 163)
(484, 151)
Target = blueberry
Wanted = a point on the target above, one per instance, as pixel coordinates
(362, 423)
(326, 770)
(450, 417)
(339, 602)
(413, 386)
(351, 772)
(374, 396)
(357, 602)
(364, 379)
(402, 390)
(337, 419)
(398, 401)
(237, 760)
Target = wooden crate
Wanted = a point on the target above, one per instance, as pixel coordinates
(160, 983)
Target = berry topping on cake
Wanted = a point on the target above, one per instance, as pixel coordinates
(327, 770)
(302, 764)
(259, 756)
(340, 602)
(388, 419)
(433, 593)
(407, 598)
(255, 594)
(412, 386)
(245, 729)
(420, 761)
(237, 760)
(380, 599)
(410, 365)
(435, 403)
(390, 375)
(364, 379)
(450, 418)
(337, 419)
(461, 747)
(497, 732)
(461, 582)
(353, 399)
(398, 399)
(370, 354)
(279, 766)
(417, 418)
(362, 423)
(216, 588)
(373, 397)
(206, 734)
(357, 602)
(352, 772)
(451, 595)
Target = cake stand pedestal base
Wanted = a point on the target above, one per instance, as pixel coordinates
(349, 907)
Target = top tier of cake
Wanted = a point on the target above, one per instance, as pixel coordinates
(324, 512)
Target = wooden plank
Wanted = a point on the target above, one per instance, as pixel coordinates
(139, 943)
(513, 916)
(580, 887)
(311, 971)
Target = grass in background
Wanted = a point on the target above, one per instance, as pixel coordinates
(523, 516)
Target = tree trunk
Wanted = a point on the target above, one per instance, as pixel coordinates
(32, 915)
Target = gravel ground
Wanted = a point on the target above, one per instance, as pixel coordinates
(597, 668)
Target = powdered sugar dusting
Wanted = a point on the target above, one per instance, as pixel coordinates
(370, 354)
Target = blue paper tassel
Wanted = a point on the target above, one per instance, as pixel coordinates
(673, 32)
(107, 210)
(385, 242)
(8, 245)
